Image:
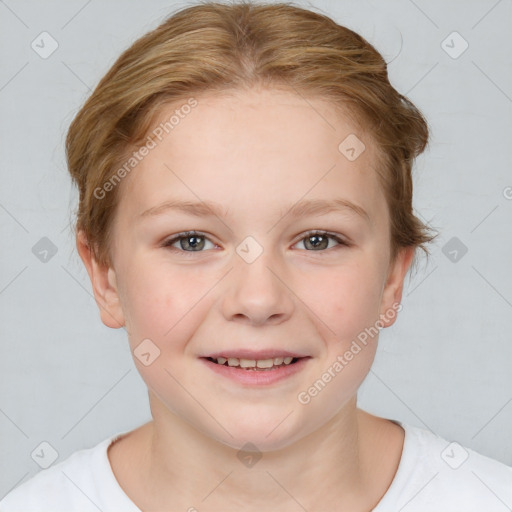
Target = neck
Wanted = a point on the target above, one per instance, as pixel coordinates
(341, 466)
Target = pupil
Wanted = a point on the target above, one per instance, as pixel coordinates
(193, 242)
(196, 242)
(316, 241)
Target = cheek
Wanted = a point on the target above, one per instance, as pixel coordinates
(346, 298)
(156, 299)
(162, 308)
(347, 301)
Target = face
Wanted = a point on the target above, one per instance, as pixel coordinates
(288, 258)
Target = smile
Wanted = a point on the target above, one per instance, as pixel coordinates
(256, 372)
(255, 364)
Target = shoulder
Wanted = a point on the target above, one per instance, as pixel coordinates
(436, 474)
(83, 482)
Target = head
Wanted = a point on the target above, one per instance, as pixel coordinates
(274, 134)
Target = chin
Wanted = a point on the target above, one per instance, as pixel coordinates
(265, 432)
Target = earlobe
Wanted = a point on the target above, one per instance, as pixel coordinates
(104, 285)
(392, 293)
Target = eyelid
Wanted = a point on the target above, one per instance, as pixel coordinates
(323, 232)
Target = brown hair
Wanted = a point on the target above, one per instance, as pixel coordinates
(216, 47)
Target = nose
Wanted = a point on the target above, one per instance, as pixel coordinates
(256, 293)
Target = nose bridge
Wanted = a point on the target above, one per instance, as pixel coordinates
(254, 293)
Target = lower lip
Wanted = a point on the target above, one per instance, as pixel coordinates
(256, 377)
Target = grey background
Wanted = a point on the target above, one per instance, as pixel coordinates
(445, 365)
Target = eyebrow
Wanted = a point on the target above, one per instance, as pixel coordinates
(299, 209)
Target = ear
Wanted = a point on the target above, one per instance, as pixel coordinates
(392, 292)
(103, 280)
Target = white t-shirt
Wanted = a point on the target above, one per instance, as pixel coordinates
(433, 476)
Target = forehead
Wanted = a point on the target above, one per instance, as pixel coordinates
(235, 146)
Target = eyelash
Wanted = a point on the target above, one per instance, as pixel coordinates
(187, 234)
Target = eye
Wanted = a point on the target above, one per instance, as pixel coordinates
(193, 241)
(190, 241)
(321, 240)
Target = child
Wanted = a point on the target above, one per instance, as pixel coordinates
(245, 212)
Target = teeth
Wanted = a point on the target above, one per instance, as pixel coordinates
(265, 363)
(247, 363)
(252, 363)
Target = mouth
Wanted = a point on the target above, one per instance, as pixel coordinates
(265, 365)
(256, 368)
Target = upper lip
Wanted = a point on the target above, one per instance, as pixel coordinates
(254, 354)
